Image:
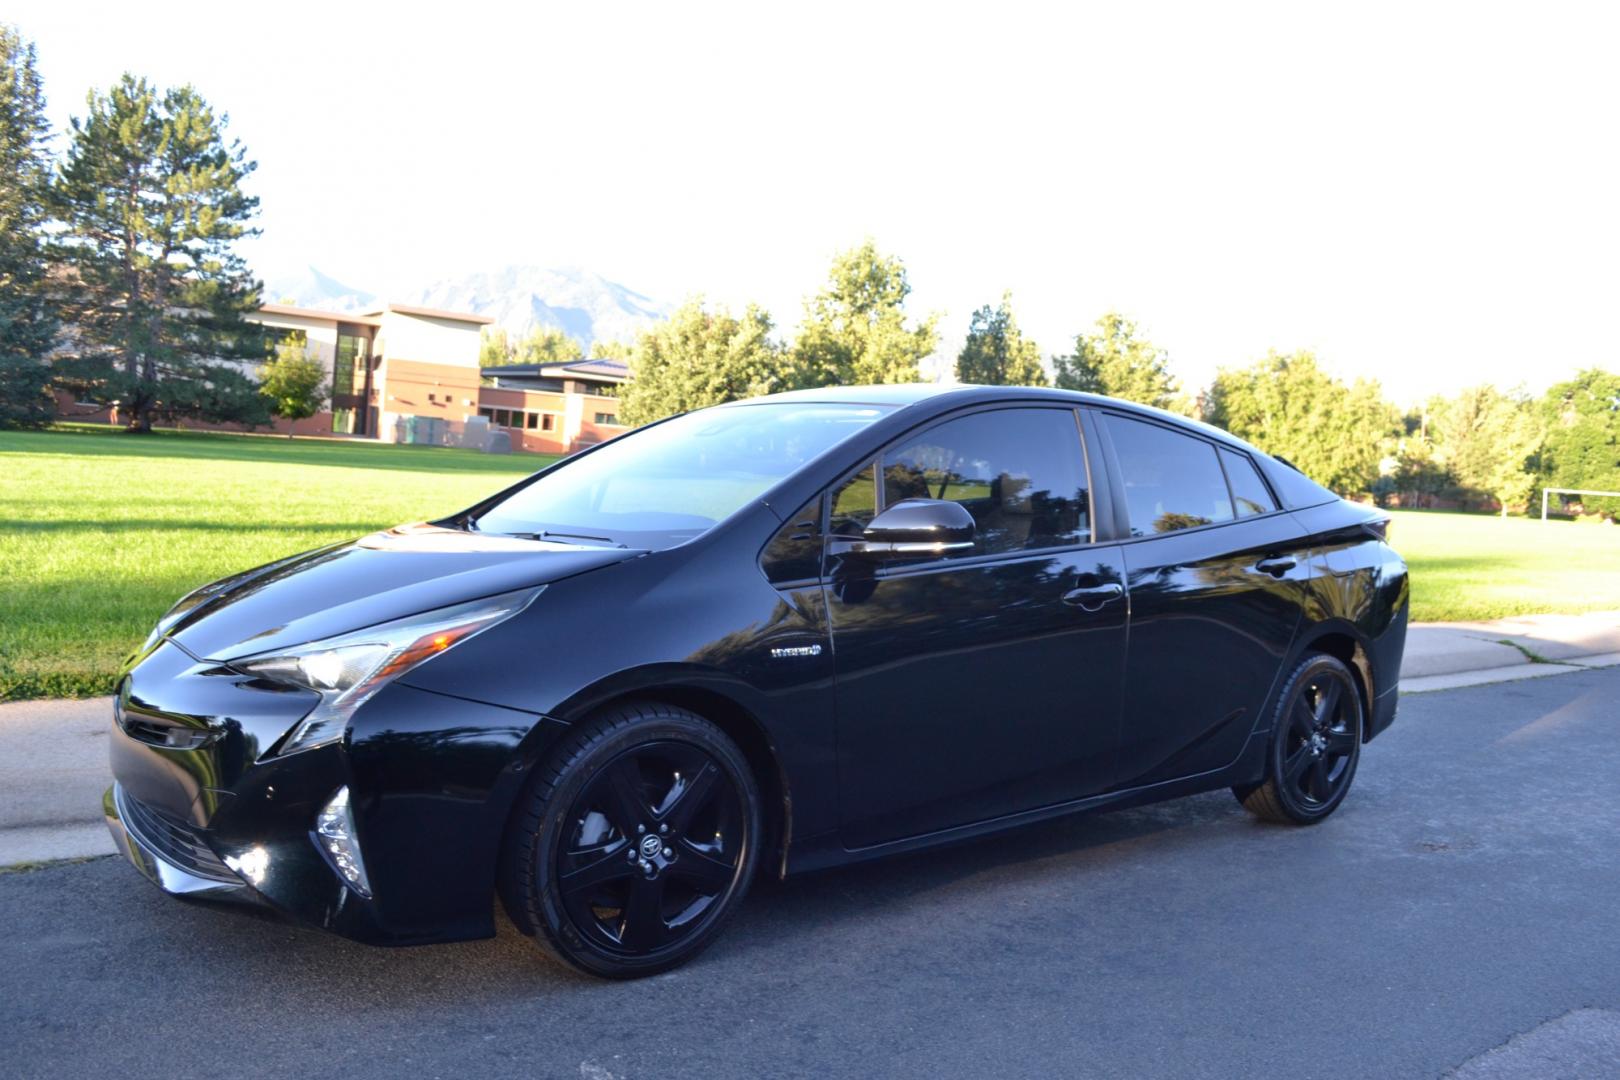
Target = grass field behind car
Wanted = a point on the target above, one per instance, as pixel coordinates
(100, 532)
(1479, 566)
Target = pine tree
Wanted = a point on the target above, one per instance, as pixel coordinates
(151, 202)
(996, 352)
(1117, 361)
(28, 325)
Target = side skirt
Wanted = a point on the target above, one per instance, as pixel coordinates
(825, 851)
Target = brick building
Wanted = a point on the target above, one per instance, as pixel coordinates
(410, 374)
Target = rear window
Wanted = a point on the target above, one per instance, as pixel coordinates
(1295, 488)
(1172, 481)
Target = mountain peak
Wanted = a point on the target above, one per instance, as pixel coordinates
(519, 297)
(312, 288)
(576, 300)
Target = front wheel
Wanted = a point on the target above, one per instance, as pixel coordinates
(634, 842)
(1315, 745)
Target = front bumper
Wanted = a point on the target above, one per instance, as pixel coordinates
(169, 854)
(202, 812)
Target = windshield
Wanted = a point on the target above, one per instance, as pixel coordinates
(665, 484)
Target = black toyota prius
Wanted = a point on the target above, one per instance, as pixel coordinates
(764, 638)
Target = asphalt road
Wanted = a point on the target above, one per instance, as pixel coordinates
(1460, 912)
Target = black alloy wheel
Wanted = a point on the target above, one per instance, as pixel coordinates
(1315, 746)
(638, 839)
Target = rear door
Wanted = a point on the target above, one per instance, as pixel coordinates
(987, 682)
(1216, 574)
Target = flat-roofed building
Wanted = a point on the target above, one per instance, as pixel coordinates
(547, 407)
(400, 373)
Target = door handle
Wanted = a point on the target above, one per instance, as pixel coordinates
(1277, 565)
(1095, 597)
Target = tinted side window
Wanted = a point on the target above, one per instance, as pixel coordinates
(1249, 493)
(1019, 472)
(794, 553)
(854, 503)
(1172, 481)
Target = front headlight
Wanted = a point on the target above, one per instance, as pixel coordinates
(348, 669)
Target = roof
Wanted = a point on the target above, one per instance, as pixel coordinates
(887, 394)
(316, 313)
(431, 313)
(904, 394)
(600, 368)
(614, 370)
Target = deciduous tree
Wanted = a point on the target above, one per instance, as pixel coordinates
(28, 325)
(1486, 439)
(295, 382)
(996, 352)
(548, 345)
(1582, 449)
(1337, 434)
(611, 350)
(494, 347)
(855, 330)
(700, 357)
(152, 207)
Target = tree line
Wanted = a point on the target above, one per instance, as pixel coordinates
(121, 282)
(1479, 448)
(120, 278)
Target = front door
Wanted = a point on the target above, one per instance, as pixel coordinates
(988, 682)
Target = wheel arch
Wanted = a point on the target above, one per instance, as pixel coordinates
(743, 728)
(1343, 642)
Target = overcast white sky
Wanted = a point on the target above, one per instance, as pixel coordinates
(1426, 194)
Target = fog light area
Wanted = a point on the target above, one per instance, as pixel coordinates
(252, 864)
(335, 827)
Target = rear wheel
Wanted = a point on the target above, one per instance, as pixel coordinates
(1315, 745)
(634, 842)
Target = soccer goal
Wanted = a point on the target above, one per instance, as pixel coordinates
(1568, 491)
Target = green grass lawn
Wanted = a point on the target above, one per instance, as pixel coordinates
(101, 531)
(1475, 566)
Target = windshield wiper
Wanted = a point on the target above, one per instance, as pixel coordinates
(547, 534)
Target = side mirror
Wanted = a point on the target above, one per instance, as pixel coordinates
(916, 528)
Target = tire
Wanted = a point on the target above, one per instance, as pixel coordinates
(633, 843)
(1315, 745)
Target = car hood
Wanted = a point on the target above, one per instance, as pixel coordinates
(387, 575)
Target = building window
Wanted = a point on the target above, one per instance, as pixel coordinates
(503, 417)
(531, 420)
(486, 412)
(606, 418)
(548, 422)
(349, 365)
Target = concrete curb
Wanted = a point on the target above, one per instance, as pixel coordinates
(53, 770)
(1443, 656)
(1424, 684)
(42, 843)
